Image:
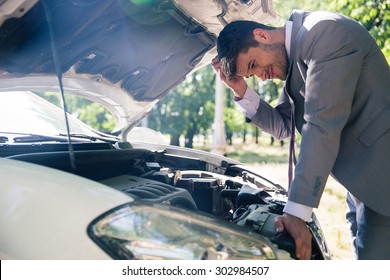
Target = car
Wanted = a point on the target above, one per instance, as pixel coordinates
(69, 191)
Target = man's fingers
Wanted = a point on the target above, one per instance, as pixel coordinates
(238, 85)
(299, 232)
(302, 250)
(219, 72)
(279, 224)
(215, 64)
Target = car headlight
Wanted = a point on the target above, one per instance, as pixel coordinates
(160, 232)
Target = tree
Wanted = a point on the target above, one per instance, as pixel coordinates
(234, 120)
(188, 110)
(269, 92)
(91, 113)
(373, 15)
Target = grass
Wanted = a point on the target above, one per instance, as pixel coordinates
(249, 157)
(272, 162)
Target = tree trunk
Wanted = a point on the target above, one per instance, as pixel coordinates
(229, 137)
(189, 139)
(175, 139)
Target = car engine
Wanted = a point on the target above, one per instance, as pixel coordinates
(230, 192)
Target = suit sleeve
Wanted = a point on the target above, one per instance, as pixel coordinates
(334, 63)
(275, 121)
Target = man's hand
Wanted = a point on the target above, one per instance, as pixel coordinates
(299, 231)
(238, 84)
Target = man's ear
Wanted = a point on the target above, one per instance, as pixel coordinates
(261, 35)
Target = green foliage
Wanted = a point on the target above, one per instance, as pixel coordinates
(96, 116)
(234, 120)
(87, 111)
(188, 110)
(269, 90)
(373, 15)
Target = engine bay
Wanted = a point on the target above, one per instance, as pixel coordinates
(228, 191)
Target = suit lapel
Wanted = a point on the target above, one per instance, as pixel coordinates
(297, 19)
(294, 82)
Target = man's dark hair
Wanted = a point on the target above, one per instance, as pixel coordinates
(236, 37)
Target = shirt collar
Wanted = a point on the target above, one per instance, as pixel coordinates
(288, 37)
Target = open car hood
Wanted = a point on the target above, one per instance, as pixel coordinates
(123, 54)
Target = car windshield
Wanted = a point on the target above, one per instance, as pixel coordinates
(23, 112)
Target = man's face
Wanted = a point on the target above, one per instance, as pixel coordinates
(266, 61)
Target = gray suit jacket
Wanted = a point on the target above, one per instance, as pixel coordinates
(338, 85)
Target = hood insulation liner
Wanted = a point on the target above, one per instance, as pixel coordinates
(145, 49)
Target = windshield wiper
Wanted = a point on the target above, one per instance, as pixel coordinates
(92, 138)
(7, 137)
(3, 139)
(62, 137)
(32, 138)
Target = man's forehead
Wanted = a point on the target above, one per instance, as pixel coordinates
(242, 63)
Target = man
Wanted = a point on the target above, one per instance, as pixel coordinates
(337, 95)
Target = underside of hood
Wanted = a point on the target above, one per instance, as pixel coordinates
(144, 49)
(123, 54)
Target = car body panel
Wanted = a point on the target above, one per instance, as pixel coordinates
(47, 203)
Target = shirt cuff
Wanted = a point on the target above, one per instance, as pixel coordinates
(298, 210)
(249, 104)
